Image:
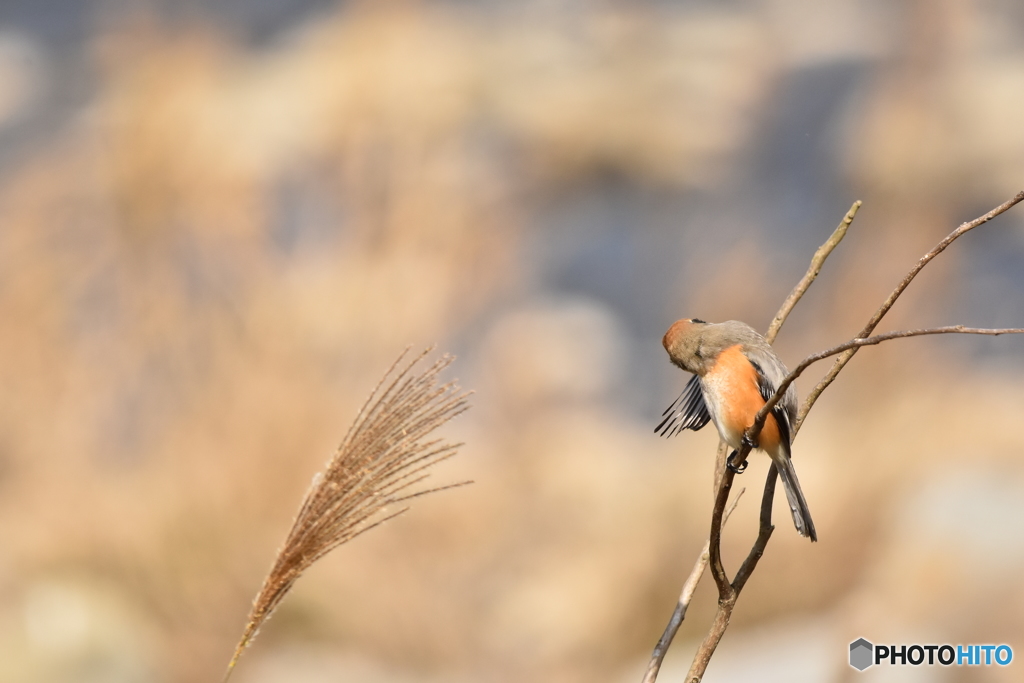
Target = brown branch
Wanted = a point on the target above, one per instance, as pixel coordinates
(763, 534)
(841, 362)
(684, 602)
(762, 414)
(767, 498)
(729, 592)
(766, 527)
(710, 643)
(715, 538)
(817, 261)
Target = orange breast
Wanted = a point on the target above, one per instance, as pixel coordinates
(735, 382)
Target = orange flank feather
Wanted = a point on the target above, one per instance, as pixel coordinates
(736, 379)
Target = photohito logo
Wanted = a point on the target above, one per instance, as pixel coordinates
(863, 654)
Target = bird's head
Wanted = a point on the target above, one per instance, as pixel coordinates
(683, 343)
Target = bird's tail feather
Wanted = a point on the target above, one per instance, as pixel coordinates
(795, 496)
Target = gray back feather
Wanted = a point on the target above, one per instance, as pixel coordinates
(757, 349)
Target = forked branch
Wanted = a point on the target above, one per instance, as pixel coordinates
(685, 596)
(729, 590)
(872, 323)
(817, 261)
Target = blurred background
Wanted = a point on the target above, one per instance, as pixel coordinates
(221, 221)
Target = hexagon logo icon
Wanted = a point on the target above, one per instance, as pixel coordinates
(861, 654)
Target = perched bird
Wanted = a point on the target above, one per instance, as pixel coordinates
(735, 373)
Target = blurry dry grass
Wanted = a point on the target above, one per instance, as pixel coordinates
(382, 457)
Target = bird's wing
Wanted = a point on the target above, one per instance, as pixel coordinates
(687, 412)
(781, 410)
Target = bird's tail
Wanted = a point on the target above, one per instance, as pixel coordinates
(795, 496)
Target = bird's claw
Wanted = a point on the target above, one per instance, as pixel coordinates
(731, 463)
(748, 442)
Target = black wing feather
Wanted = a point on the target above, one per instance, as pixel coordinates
(779, 412)
(687, 412)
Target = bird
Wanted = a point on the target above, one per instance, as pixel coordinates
(735, 372)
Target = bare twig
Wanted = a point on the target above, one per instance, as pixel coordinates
(383, 456)
(764, 532)
(766, 528)
(841, 362)
(720, 458)
(729, 592)
(684, 602)
(762, 414)
(710, 643)
(817, 261)
(715, 539)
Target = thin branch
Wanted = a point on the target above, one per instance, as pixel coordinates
(684, 602)
(764, 532)
(813, 269)
(715, 538)
(729, 591)
(817, 261)
(720, 459)
(762, 414)
(766, 528)
(710, 643)
(841, 362)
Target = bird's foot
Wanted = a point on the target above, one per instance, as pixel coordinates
(748, 442)
(731, 463)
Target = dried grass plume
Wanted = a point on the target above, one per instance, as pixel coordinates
(379, 463)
